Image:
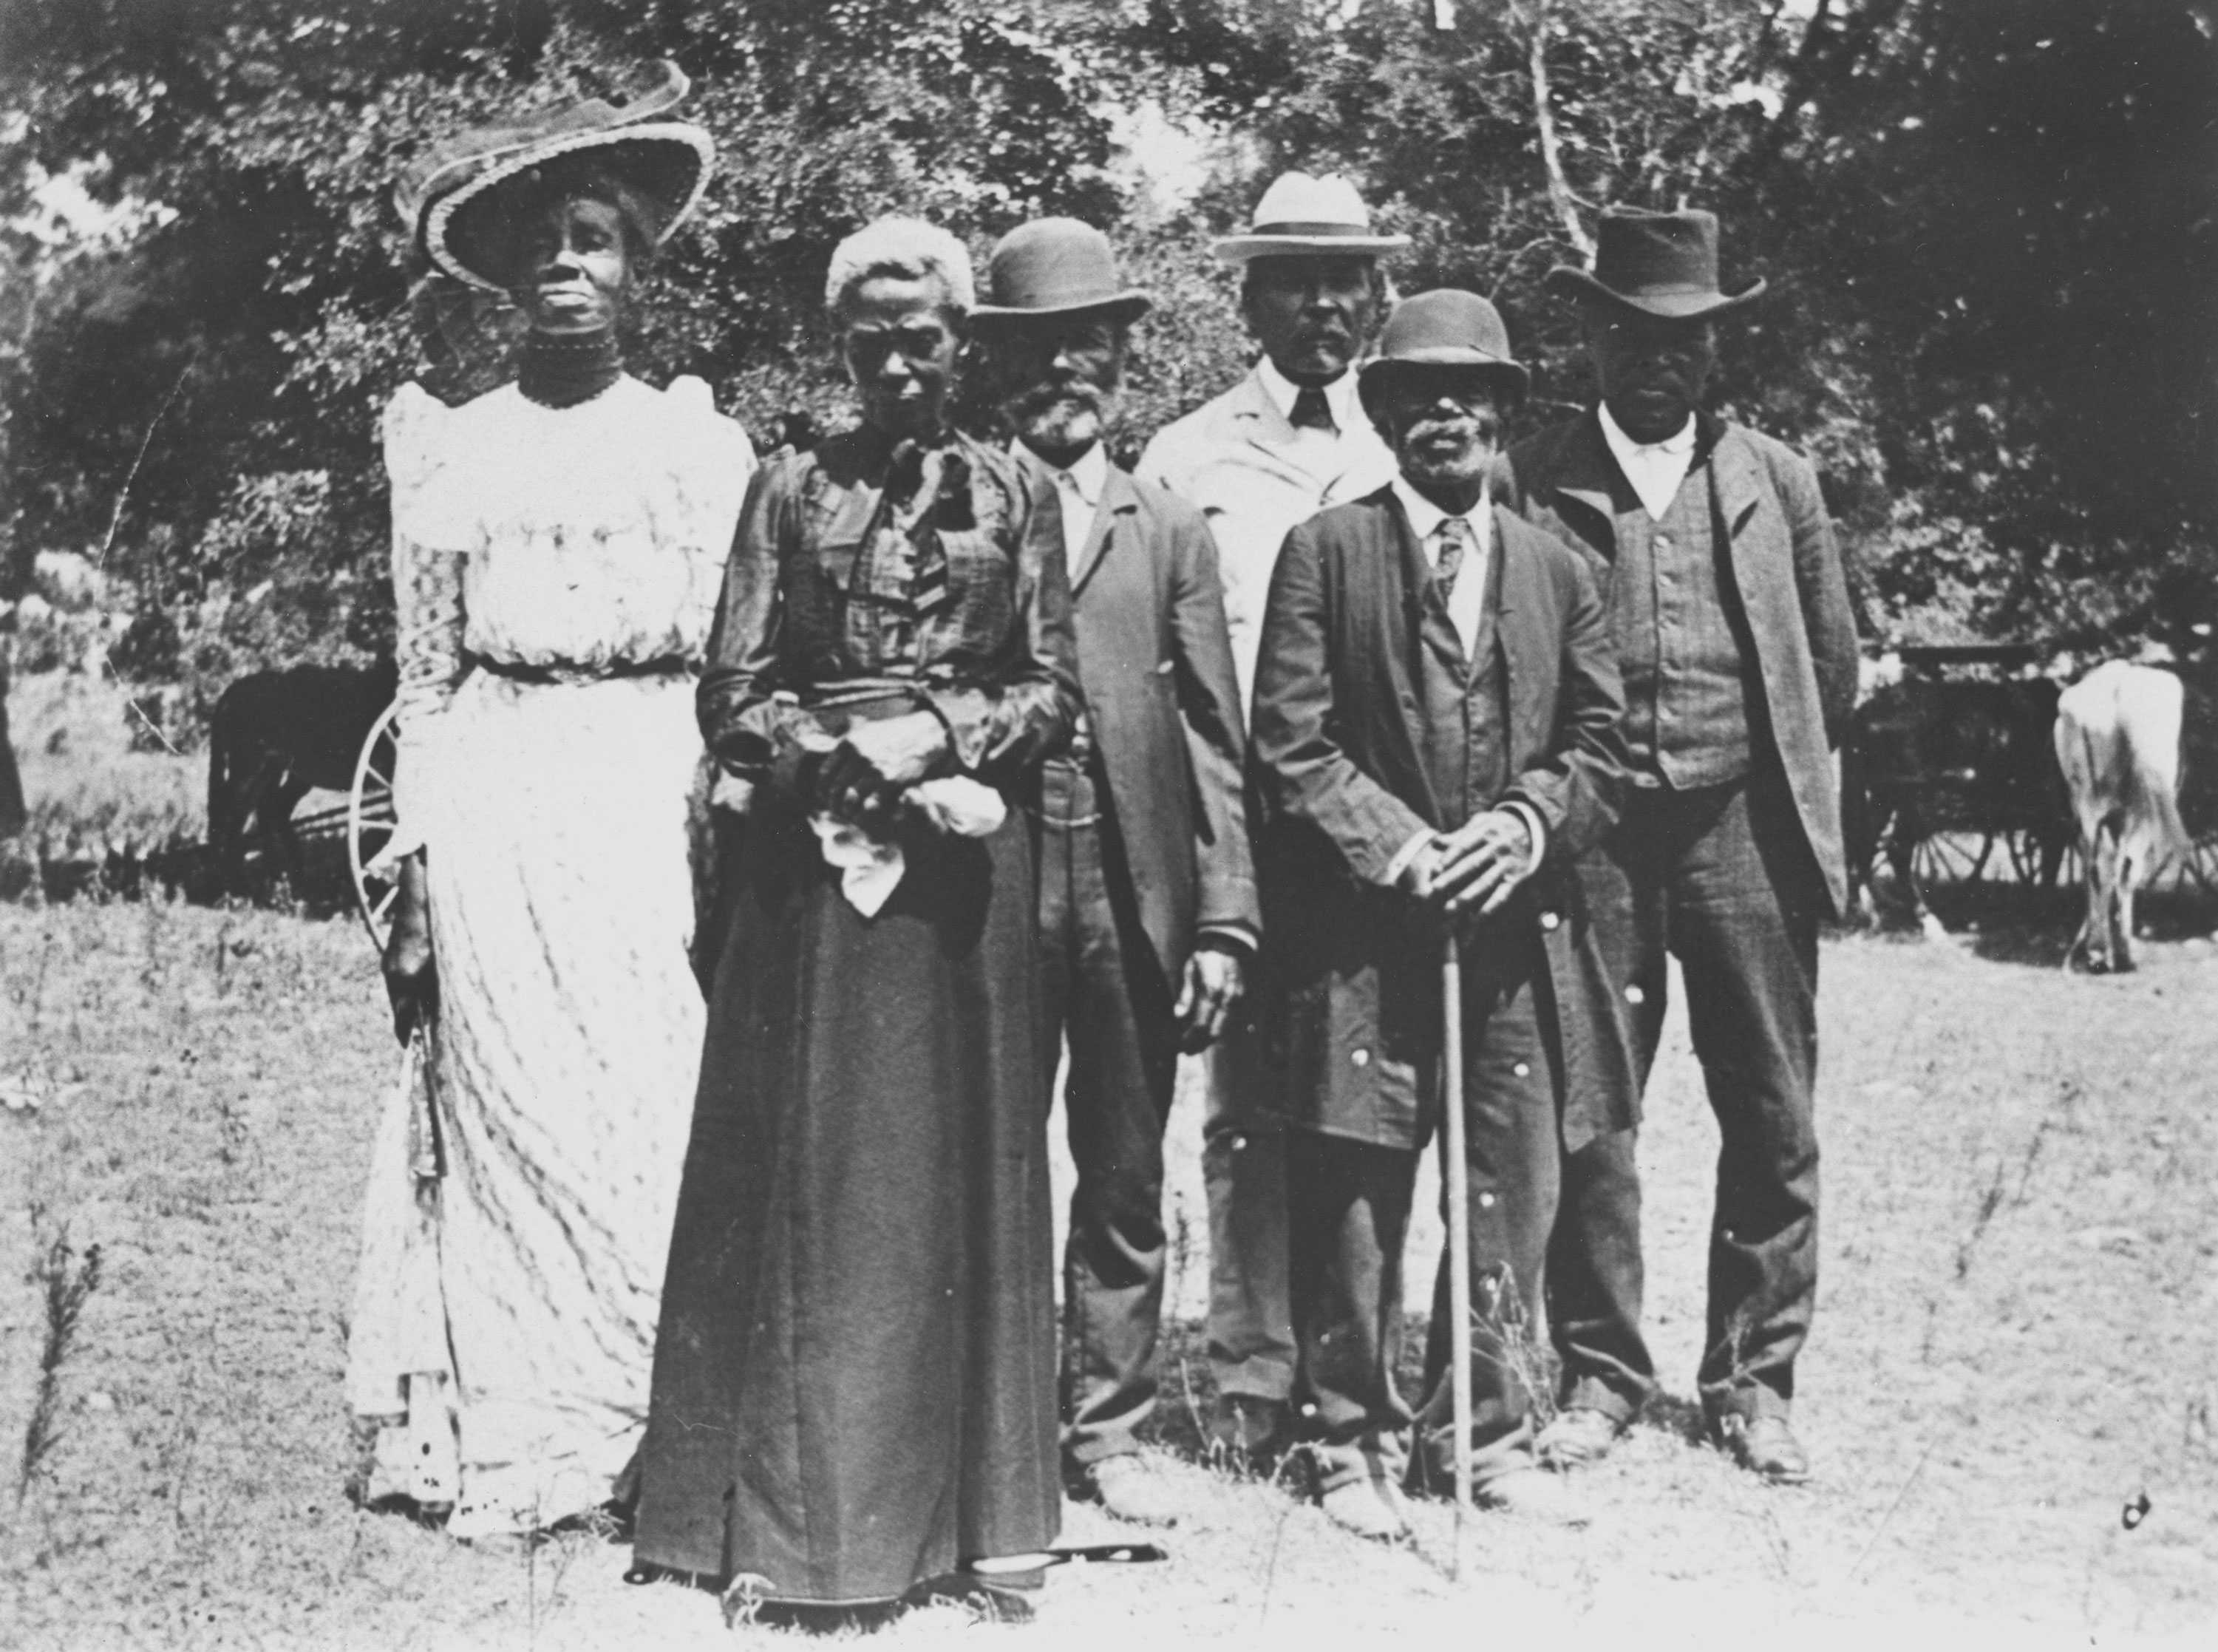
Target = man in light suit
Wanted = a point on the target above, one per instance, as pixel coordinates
(1436, 738)
(1148, 911)
(1286, 442)
(1736, 641)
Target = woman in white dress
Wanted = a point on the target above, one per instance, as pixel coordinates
(558, 545)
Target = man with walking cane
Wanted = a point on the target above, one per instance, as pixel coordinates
(1435, 735)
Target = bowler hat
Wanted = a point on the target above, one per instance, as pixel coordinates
(1301, 216)
(1446, 328)
(1057, 267)
(1662, 263)
(450, 198)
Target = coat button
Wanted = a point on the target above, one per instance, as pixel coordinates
(1523, 1069)
(1361, 1058)
(1634, 995)
(1486, 1202)
(1551, 920)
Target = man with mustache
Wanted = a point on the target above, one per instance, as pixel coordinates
(1735, 637)
(1436, 740)
(1286, 441)
(1148, 909)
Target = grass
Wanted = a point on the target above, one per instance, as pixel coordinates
(2016, 1340)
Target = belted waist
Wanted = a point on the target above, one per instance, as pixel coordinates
(667, 665)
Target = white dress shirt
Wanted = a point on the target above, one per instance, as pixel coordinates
(1077, 491)
(1466, 603)
(1654, 469)
(1341, 400)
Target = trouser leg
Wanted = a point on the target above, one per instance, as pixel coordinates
(1243, 1162)
(1350, 1204)
(1511, 1134)
(1596, 1275)
(1744, 924)
(1123, 1067)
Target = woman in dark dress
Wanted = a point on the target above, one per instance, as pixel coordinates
(854, 1382)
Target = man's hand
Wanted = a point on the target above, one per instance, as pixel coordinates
(1479, 865)
(1216, 980)
(863, 776)
(412, 980)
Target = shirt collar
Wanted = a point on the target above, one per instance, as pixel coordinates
(1680, 441)
(1339, 395)
(1089, 473)
(1424, 517)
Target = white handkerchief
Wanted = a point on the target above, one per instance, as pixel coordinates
(871, 869)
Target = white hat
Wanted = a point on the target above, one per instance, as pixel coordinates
(1300, 216)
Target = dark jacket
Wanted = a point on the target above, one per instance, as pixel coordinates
(1785, 571)
(1157, 668)
(1352, 1019)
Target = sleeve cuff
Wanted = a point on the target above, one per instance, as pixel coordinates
(1229, 936)
(1406, 855)
(1534, 824)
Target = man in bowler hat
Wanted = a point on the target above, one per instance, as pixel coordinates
(1285, 442)
(1737, 648)
(1148, 911)
(1436, 740)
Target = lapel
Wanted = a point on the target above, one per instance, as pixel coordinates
(1398, 631)
(1119, 499)
(1519, 586)
(1587, 474)
(1737, 484)
(1270, 435)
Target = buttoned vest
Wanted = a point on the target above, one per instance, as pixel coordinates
(1679, 642)
(1466, 737)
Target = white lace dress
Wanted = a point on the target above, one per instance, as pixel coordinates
(555, 573)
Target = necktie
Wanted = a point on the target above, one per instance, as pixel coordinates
(1312, 411)
(1455, 539)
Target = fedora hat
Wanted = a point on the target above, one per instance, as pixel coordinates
(1301, 216)
(1663, 264)
(1056, 266)
(450, 198)
(1447, 328)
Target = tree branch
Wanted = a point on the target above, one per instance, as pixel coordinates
(1551, 154)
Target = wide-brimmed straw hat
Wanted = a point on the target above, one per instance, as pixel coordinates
(1057, 267)
(451, 197)
(1447, 328)
(1662, 263)
(1301, 216)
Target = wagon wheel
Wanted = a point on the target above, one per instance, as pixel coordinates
(2028, 845)
(2199, 865)
(370, 820)
(1950, 858)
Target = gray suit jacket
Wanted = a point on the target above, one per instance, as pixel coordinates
(1156, 670)
(1785, 569)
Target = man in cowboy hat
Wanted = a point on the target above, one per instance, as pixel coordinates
(1148, 912)
(1738, 651)
(1287, 440)
(1436, 738)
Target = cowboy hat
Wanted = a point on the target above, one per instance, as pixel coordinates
(1301, 216)
(1057, 267)
(450, 197)
(1662, 263)
(1445, 330)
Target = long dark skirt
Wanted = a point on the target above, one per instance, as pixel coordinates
(854, 1379)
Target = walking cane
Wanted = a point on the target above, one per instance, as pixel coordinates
(1455, 1180)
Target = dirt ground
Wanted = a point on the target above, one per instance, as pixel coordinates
(2014, 1345)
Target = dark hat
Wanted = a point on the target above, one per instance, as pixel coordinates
(1056, 266)
(1663, 264)
(450, 198)
(1444, 328)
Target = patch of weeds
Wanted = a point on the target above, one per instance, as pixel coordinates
(66, 1282)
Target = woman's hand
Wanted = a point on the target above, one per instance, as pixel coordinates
(412, 980)
(863, 778)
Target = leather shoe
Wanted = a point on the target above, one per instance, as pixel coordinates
(1580, 1437)
(1128, 1488)
(1532, 1494)
(1368, 1510)
(1766, 1447)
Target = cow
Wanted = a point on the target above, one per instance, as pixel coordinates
(1925, 755)
(274, 737)
(2117, 736)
